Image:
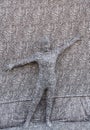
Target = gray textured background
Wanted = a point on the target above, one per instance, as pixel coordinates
(22, 23)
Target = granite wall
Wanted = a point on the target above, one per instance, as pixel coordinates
(22, 23)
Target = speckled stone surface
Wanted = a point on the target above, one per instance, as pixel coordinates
(58, 126)
(22, 23)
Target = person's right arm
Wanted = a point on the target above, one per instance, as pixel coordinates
(21, 62)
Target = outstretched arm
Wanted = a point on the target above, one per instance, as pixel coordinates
(68, 44)
(21, 63)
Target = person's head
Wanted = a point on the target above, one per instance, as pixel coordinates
(45, 44)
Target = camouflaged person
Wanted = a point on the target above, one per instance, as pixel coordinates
(46, 60)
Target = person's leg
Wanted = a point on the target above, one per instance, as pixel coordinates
(49, 104)
(35, 101)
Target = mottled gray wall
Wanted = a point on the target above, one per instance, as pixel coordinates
(22, 23)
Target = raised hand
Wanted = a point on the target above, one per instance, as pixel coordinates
(68, 44)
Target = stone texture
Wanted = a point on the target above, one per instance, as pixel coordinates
(58, 126)
(22, 23)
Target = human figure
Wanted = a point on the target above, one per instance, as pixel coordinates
(46, 60)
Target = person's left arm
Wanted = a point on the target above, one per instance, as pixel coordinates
(68, 44)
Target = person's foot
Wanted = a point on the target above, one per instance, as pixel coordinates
(26, 125)
(49, 124)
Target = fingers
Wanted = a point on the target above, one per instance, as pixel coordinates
(10, 66)
(79, 37)
(7, 67)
